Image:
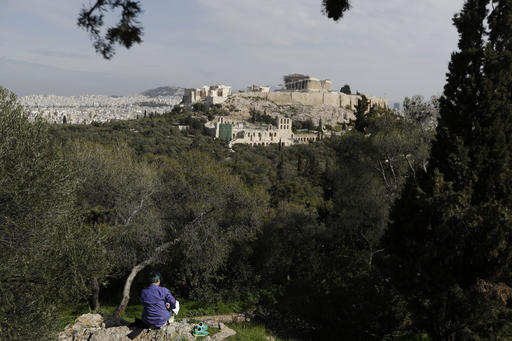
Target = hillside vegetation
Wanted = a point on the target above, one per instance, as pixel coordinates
(293, 233)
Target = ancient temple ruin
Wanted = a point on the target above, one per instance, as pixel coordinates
(299, 82)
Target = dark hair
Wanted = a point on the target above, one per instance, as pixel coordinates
(154, 276)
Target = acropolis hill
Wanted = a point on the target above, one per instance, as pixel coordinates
(303, 98)
(298, 89)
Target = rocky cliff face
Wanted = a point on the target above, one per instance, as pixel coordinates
(240, 107)
(93, 327)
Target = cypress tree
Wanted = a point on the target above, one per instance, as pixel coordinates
(360, 113)
(450, 241)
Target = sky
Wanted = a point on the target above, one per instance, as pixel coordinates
(391, 49)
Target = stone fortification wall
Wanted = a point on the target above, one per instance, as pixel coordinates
(305, 98)
(315, 99)
(280, 97)
(331, 98)
(349, 101)
(262, 95)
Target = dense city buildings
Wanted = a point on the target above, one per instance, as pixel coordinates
(95, 108)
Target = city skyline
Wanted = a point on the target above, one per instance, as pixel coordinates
(391, 49)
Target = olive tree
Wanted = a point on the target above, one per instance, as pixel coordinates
(43, 254)
(206, 211)
(116, 198)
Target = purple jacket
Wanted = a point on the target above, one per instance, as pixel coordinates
(153, 299)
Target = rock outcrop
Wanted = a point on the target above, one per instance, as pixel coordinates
(240, 108)
(93, 327)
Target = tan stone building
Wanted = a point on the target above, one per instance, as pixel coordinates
(213, 94)
(259, 88)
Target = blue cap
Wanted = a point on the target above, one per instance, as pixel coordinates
(154, 276)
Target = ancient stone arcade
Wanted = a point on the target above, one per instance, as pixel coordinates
(238, 132)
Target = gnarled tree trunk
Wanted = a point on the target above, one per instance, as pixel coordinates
(135, 270)
(94, 299)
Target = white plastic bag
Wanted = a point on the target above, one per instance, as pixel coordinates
(177, 309)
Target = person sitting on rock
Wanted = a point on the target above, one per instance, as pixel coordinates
(157, 302)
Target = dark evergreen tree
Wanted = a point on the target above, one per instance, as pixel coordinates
(346, 89)
(362, 107)
(299, 164)
(450, 243)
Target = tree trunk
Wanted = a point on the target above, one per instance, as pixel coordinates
(94, 299)
(135, 270)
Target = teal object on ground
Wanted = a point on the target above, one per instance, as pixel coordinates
(199, 331)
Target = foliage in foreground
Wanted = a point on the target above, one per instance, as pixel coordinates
(44, 253)
(450, 243)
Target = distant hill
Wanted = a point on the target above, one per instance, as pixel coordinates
(164, 91)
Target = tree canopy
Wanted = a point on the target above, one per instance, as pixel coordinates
(346, 89)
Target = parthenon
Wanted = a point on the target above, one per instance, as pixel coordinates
(299, 82)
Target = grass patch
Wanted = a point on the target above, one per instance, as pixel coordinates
(69, 314)
(249, 331)
(193, 308)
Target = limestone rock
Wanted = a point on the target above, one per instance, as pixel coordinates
(240, 108)
(82, 328)
(92, 327)
(223, 334)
